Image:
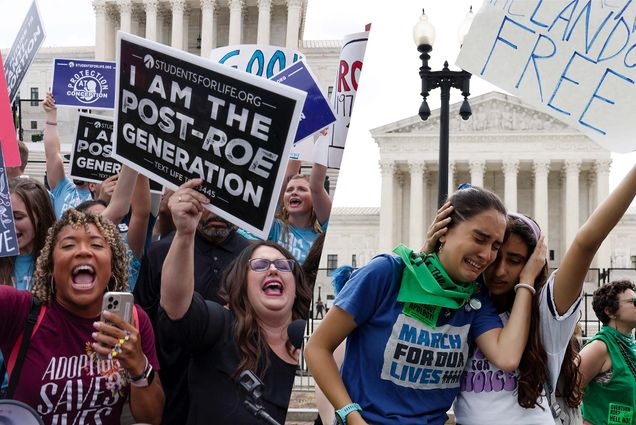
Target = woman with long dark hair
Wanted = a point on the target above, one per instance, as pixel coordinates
(410, 319)
(264, 291)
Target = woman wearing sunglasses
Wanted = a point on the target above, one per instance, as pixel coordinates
(264, 291)
(608, 361)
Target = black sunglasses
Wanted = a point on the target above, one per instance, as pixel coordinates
(263, 264)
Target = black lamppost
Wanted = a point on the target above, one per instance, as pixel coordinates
(424, 37)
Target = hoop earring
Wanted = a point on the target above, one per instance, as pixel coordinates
(109, 288)
(52, 286)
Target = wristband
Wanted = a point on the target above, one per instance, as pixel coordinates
(525, 285)
(341, 414)
(51, 123)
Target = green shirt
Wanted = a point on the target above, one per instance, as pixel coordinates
(611, 403)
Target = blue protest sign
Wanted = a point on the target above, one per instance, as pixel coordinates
(29, 39)
(8, 237)
(317, 113)
(84, 84)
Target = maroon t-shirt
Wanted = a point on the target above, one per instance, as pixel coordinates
(60, 378)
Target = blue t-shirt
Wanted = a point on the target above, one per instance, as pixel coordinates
(134, 263)
(297, 241)
(66, 195)
(23, 272)
(399, 370)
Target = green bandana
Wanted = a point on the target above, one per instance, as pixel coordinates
(426, 287)
(627, 341)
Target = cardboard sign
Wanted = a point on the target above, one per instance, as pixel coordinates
(23, 51)
(574, 60)
(8, 237)
(8, 139)
(316, 113)
(91, 158)
(262, 60)
(179, 117)
(328, 148)
(84, 84)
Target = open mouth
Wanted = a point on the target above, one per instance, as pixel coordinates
(294, 202)
(273, 288)
(473, 265)
(83, 277)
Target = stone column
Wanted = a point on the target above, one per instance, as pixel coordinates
(510, 169)
(151, 7)
(294, 8)
(400, 208)
(477, 171)
(178, 6)
(186, 27)
(416, 212)
(236, 21)
(125, 13)
(162, 14)
(387, 224)
(101, 21)
(207, 27)
(541, 168)
(602, 169)
(571, 169)
(451, 179)
(111, 34)
(264, 19)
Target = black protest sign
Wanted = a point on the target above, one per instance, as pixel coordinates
(8, 236)
(91, 158)
(179, 117)
(23, 51)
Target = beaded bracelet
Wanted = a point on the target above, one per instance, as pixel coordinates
(525, 285)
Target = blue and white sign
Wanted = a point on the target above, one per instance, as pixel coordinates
(317, 113)
(84, 84)
(262, 60)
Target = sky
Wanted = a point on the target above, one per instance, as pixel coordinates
(389, 85)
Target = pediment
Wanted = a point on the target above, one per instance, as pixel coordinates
(492, 113)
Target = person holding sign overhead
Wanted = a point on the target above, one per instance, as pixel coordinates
(263, 290)
(65, 193)
(410, 319)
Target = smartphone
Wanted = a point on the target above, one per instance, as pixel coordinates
(120, 304)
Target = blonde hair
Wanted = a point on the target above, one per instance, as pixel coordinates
(43, 278)
(283, 214)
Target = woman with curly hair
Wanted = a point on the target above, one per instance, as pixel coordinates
(78, 368)
(264, 291)
(33, 215)
(608, 361)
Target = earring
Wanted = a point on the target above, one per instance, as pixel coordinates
(109, 288)
(441, 247)
(52, 286)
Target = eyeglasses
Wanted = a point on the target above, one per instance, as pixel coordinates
(263, 264)
(629, 300)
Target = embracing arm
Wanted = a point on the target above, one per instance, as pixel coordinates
(505, 346)
(177, 274)
(335, 327)
(319, 196)
(54, 165)
(578, 257)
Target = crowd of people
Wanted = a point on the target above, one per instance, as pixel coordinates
(474, 320)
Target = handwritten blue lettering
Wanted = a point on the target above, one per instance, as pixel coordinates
(503, 40)
(533, 57)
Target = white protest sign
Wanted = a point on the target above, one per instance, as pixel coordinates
(575, 60)
(179, 116)
(262, 60)
(328, 148)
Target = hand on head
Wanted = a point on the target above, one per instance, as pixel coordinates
(186, 206)
(535, 263)
(107, 187)
(438, 228)
(120, 341)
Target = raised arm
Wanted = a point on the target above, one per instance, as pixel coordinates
(319, 196)
(177, 274)
(122, 196)
(578, 257)
(52, 152)
(594, 359)
(140, 216)
(335, 327)
(504, 346)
